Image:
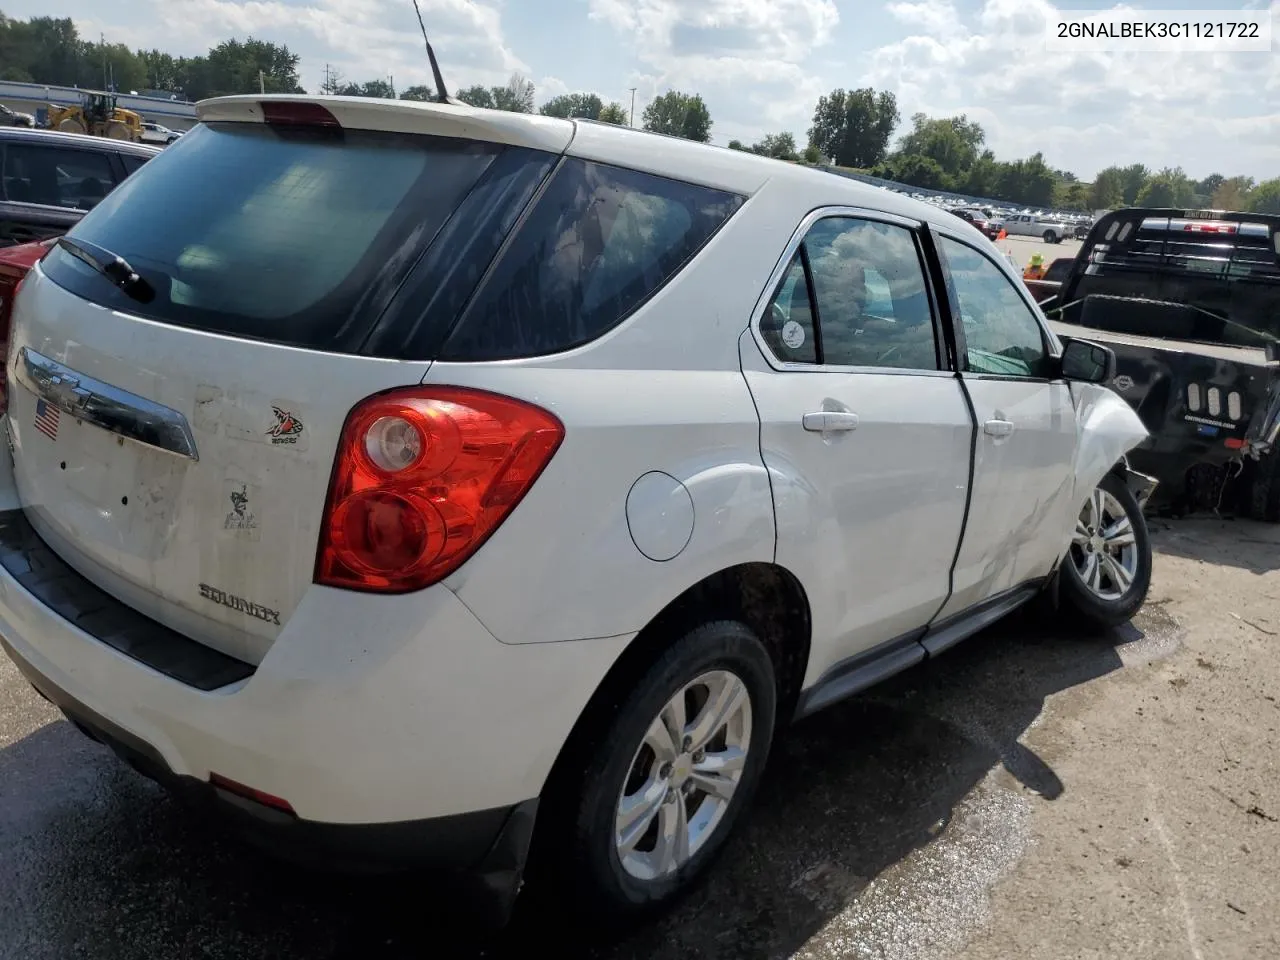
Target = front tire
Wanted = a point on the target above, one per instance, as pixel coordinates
(671, 775)
(1107, 570)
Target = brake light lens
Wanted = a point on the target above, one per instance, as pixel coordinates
(1209, 228)
(297, 113)
(423, 476)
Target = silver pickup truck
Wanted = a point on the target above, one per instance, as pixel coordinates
(1048, 228)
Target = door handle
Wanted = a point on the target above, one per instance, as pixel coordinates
(830, 421)
(997, 428)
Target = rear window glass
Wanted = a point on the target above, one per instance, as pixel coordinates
(1194, 277)
(281, 235)
(599, 242)
(1235, 249)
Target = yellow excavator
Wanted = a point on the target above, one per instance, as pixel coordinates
(97, 115)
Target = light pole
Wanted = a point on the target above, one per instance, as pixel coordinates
(633, 107)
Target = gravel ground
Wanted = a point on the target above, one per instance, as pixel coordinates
(1023, 247)
(1030, 794)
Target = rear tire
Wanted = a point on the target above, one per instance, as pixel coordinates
(1106, 573)
(1050, 237)
(619, 874)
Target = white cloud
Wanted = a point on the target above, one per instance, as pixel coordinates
(933, 16)
(748, 58)
(1085, 110)
(363, 39)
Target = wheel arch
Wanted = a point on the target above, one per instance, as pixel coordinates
(765, 596)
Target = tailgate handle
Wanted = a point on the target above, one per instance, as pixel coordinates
(117, 411)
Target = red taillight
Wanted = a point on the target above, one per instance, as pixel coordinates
(423, 476)
(1209, 228)
(1233, 443)
(297, 113)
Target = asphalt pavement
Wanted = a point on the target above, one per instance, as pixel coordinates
(894, 825)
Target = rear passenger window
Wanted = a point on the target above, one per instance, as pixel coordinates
(787, 326)
(599, 243)
(56, 176)
(868, 287)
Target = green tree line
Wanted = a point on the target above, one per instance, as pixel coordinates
(855, 128)
(49, 50)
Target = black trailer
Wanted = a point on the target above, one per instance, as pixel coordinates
(1189, 300)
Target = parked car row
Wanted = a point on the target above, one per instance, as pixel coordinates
(48, 180)
(1062, 223)
(569, 465)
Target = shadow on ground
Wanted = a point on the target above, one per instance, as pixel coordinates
(97, 863)
(1244, 544)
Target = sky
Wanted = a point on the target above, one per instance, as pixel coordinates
(762, 64)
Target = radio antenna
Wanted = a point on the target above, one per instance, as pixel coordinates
(442, 95)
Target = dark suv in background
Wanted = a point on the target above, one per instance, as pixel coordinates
(49, 180)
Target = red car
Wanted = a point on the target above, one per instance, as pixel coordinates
(980, 221)
(14, 263)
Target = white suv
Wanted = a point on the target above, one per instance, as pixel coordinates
(378, 470)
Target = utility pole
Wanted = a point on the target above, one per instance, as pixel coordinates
(262, 82)
(633, 106)
(102, 42)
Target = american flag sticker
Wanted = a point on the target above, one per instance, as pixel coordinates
(47, 419)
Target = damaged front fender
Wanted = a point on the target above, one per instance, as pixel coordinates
(1139, 484)
(1107, 428)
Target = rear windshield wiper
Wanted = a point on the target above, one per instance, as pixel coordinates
(112, 266)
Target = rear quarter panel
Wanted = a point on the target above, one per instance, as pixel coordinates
(664, 391)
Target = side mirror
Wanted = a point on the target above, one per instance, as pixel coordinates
(1273, 351)
(1088, 362)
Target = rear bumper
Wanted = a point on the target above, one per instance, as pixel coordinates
(483, 850)
(401, 733)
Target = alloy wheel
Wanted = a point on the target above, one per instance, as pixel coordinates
(1103, 548)
(683, 777)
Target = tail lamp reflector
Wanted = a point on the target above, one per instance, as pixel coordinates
(422, 477)
(251, 793)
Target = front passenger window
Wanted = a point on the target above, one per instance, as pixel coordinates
(1002, 336)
